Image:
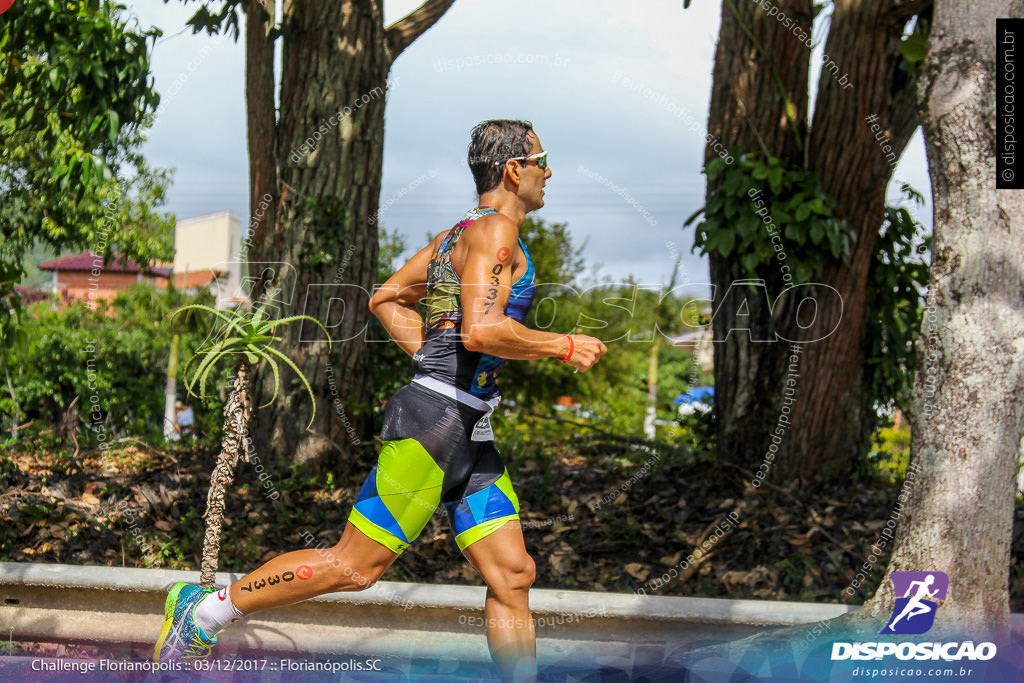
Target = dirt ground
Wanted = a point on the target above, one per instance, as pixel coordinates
(595, 517)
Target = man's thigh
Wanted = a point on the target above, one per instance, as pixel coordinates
(485, 501)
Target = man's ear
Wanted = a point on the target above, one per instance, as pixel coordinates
(515, 172)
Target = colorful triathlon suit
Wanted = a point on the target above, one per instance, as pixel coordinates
(438, 446)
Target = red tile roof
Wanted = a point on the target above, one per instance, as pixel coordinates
(87, 261)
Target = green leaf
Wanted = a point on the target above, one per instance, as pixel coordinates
(294, 318)
(277, 378)
(817, 231)
(750, 261)
(115, 125)
(231, 320)
(727, 239)
(914, 47)
(287, 361)
(693, 217)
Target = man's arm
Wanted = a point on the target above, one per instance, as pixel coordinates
(486, 277)
(394, 303)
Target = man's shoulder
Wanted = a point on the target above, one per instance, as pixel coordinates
(494, 226)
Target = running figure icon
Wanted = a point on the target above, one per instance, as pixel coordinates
(919, 595)
(915, 606)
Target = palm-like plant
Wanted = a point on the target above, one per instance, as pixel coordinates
(246, 338)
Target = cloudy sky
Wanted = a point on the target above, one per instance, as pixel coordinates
(618, 95)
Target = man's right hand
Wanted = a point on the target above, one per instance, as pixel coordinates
(586, 352)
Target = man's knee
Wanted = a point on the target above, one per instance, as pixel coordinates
(366, 579)
(516, 577)
(350, 576)
(528, 573)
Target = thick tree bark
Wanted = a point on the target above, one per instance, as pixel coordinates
(969, 392)
(260, 115)
(832, 416)
(832, 428)
(320, 162)
(748, 112)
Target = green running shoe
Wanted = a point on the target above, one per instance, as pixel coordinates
(180, 638)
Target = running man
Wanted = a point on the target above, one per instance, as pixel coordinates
(477, 281)
(915, 605)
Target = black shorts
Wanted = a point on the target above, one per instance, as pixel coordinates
(428, 458)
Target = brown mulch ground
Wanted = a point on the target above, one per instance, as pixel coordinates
(103, 508)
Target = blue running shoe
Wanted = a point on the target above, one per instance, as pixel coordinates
(180, 638)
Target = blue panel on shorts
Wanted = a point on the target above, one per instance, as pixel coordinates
(483, 506)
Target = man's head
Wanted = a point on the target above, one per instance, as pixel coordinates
(498, 152)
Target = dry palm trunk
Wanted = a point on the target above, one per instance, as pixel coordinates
(236, 422)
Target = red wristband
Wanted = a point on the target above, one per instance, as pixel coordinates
(572, 348)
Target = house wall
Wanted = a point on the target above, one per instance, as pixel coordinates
(208, 245)
(83, 286)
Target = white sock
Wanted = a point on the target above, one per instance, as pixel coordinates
(215, 611)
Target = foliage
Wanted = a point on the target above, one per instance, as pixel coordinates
(628, 316)
(213, 22)
(890, 452)
(247, 335)
(612, 396)
(110, 362)
(391, 367)
(557, 304)
(896, 289)
(77, 95)
(555, 257)
(914, 46)
(793, 202)
(697, 434)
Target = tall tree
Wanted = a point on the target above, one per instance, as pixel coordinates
(760, 107)
(314, 180)
(969, 395)
(956, 510)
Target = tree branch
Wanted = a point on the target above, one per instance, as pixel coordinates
(403, 32)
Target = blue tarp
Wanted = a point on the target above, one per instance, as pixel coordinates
(695, 395)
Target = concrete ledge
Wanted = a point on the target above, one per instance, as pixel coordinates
(67, 603)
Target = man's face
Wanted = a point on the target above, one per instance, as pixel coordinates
(532, 177)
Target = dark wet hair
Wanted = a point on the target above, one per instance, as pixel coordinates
(492, 142)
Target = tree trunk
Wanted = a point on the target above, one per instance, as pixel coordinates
(969, 392)
(651, 413)
(832, 418)
(171, 393)
(237, 412)
(320, 165)
(748, 112)
(14, 403)
(835, 418)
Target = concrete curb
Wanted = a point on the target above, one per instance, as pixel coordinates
(49, 602)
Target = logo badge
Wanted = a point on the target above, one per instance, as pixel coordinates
(919, 595)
